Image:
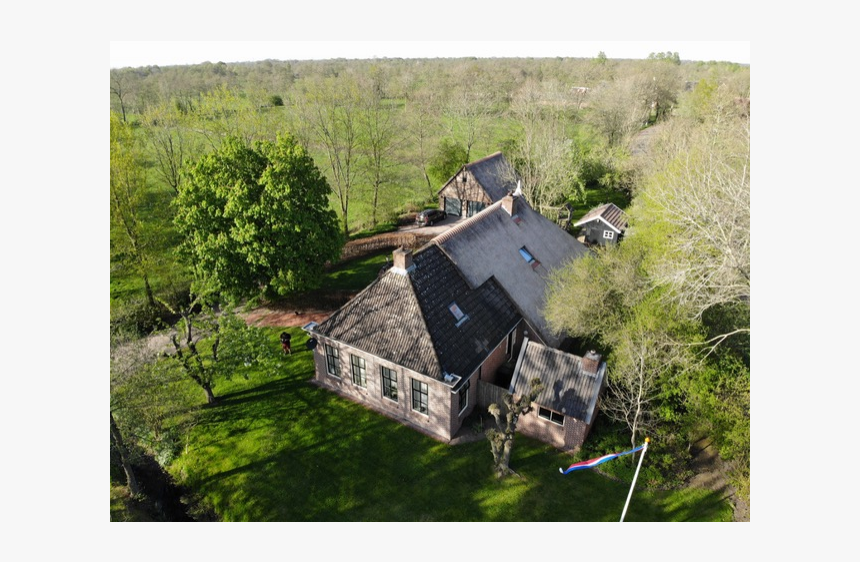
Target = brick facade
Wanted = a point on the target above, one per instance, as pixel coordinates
(445, 417)
(567, 437)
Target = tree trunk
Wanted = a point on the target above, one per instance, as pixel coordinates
(506, 453)
(210, 396)
(429, 184)
(149, 296)
(133, 486)
(375, 204)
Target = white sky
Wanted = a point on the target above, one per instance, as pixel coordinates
(166, 53)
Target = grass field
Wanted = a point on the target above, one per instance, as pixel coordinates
(277, 448)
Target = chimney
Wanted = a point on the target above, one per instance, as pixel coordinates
(590, 362)
(509, 203)
(402, 260)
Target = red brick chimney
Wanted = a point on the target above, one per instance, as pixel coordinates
(590, 362)
(509, 203)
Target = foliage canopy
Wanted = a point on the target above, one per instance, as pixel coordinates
(257, 219)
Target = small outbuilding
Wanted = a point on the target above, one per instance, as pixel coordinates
(477, 185)
(604, 225)
(564, 411)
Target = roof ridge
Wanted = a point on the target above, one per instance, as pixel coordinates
(468, 223)
(478, 161)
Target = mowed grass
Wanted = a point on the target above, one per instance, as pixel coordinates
(356, 274)
(278, 448)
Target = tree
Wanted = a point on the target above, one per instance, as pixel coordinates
(542, 154)
(502, 436)
(422, 111)
(469, 107)
(696, 202)
(381, 137)
(619, 108)
(127, 188)
(447, 159)
(642, 359)
(122, 83)
(213, 344)
(130, 477)
(330, 110)
(256, 219)
(168, 131)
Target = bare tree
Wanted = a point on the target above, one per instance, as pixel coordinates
(469, 108)
(331, 110)
(381, 134)
(122, 88)
(640, 360)
(423, 114)
(543, 154)
(502, 436)
(169, 134)
(699, 199)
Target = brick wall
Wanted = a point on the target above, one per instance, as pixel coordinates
(566, 437)
(438, 422)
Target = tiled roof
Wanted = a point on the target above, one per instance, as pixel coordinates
(406, 318)
(385, 320)
(610, 214)
(488, 245)
(495, 175)
(567, 387)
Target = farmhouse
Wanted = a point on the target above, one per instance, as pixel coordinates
(451, 326)
(477, 185)
(604, 225)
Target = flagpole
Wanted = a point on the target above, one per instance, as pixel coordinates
(635, 476)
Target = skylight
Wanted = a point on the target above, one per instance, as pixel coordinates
(459, 316)
(526, 255)
(455, 310)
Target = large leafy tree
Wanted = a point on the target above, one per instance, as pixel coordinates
(256, 219)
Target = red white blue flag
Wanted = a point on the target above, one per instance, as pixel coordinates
(599, 460)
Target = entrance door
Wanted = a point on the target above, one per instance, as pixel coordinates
(453, 206)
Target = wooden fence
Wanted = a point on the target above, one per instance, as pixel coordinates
(387, 241)
(490, 394)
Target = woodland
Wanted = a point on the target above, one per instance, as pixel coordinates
(237, 184)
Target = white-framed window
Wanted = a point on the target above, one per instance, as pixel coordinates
(359, 371)
(608, 234)
(420, 397)
(464, 395)
(332, 361)
(389, 383)
(550, 415)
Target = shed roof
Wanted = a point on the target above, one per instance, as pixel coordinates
(567, 387)
(494, 174)
(609, 213)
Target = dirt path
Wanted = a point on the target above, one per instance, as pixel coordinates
(284, 317)
(710, 475)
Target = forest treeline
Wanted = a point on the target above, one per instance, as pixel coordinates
(668, 306)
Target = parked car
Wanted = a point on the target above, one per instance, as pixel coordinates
(429, 216)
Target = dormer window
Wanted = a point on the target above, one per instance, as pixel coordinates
(459, 316)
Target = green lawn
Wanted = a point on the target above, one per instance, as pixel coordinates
(277, 448)
(354, 275)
